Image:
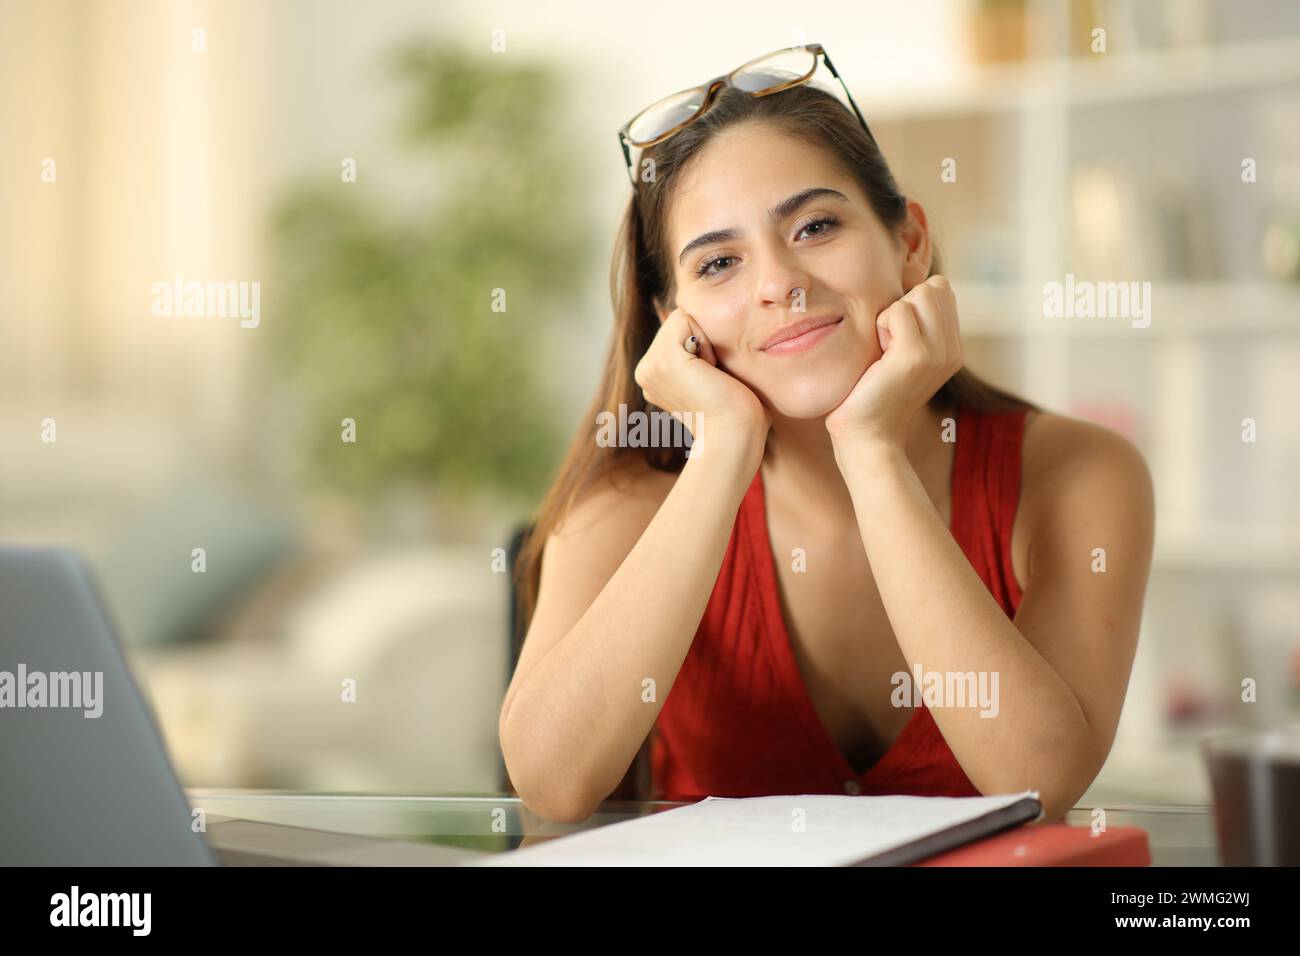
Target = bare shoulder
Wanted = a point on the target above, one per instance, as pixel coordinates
(1075, 471)
(626, 498)
(604, 523)
(1058, 446)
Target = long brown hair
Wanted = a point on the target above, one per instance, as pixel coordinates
(641, 278)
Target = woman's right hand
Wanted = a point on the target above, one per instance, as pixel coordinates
(673, 379)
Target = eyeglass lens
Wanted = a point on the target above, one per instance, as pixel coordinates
(765, 74)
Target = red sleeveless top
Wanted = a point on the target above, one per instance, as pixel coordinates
(739, 722)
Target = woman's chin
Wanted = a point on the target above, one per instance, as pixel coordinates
(816, 401)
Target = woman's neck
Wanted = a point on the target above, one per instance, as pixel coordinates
(799, 462)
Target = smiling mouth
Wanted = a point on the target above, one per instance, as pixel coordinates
(802, 336)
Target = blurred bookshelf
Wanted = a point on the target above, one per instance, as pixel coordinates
(1131, 165)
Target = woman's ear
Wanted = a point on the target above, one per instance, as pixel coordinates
(915, 236)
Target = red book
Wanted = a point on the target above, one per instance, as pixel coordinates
(1051, 844)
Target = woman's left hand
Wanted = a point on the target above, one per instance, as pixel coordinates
(922, 350)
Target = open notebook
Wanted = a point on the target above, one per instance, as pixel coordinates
(807, 830)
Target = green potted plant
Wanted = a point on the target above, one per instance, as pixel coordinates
(390, 318)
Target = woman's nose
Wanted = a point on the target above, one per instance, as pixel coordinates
(780, 283)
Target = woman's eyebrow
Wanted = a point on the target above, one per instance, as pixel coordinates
(781, 210)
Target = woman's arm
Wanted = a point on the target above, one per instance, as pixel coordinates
(621, 595)
(1063, 664)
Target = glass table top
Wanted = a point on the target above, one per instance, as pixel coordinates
(1179, 836)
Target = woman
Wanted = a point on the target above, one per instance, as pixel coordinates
(867, 529)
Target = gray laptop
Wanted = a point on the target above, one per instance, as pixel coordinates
(87, 779)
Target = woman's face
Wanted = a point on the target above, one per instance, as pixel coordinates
(735, 263)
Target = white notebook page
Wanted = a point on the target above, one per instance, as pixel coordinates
(808, 830)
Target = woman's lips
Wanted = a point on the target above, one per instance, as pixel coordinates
(801, 343)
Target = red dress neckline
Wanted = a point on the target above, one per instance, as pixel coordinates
(897, 755)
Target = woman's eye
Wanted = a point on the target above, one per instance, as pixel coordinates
(826, 223)
(708, 263)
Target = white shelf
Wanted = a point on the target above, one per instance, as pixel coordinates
(1254, 551)
(1179, 309)
(1109, 78)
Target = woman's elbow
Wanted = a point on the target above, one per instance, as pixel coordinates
(557, 804)
(542, 791)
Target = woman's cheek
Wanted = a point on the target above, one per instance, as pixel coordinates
(725, 348)
(722, 326)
